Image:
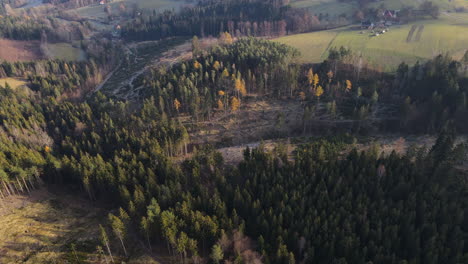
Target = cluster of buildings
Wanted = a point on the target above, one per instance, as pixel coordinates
(388, 18)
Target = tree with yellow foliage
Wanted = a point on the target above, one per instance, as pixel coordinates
(235, 103)
(177, 104)
(239, 85)
(225, 73)
(349, 85)
(316, 80)
(216, 65)
(221, 93)
(196, 65)
(225, 38)
(319, 91)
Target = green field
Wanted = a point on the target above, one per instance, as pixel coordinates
(96, 11)
(389, 49)
(331, 7)
(335, 7)
(65, 51)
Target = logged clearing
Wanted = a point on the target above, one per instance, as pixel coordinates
(41, 227)
(409, 42)
(45, 226)
(257, 119)
(15, 50)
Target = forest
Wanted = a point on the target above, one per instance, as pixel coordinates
(326, 205)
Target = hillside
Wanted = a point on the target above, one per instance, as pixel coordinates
(398, 44)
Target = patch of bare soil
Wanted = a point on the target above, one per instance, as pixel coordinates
(15, 50)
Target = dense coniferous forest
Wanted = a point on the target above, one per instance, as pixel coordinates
(21, 29)
(263, 18)
(329, 205)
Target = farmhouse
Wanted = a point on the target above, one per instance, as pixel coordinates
(391, 15)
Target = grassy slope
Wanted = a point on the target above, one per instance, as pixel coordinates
(311, 45)
(446, 34)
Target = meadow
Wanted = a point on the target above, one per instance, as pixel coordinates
(96, 11)
(335, 7)
(65, 51)
(430, 38)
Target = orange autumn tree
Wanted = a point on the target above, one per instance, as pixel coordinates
(239, 85)
(235, 104)
(177, 104)
(349, 85)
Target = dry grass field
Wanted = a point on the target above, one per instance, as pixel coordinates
(14, 83)
(14, 50)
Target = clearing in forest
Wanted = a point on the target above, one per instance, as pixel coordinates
(16, 50)
(65, 51)
(14, 83)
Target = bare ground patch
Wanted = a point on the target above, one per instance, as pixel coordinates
(15, 50)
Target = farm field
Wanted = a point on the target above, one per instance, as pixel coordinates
(331, 7)
(335, 7)
(311, 45)
(96, 11)
(428, 39)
